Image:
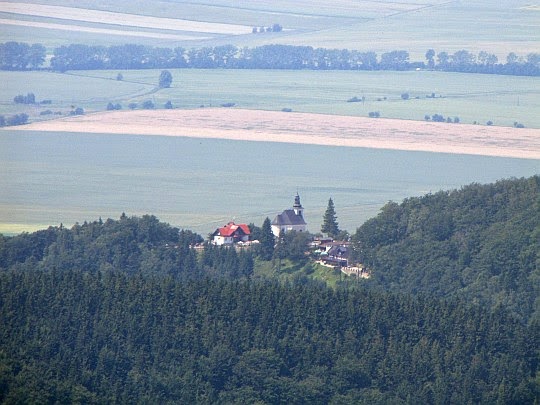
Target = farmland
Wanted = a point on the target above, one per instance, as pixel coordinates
(364, 25)
(481, 98)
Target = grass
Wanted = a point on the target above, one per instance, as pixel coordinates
(501, 99)
(288, 270)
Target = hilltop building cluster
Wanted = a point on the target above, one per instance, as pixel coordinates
(289, 220)
(327, 250)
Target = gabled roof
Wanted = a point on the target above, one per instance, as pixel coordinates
(288, 217)
(231, 229)
(340, 251)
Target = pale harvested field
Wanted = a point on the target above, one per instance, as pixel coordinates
(105, 31)
(121, 19)
(315, 129)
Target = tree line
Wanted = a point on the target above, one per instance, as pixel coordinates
(18, 56)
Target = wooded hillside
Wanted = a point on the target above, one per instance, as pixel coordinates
(124, 311)
(480, 244)
(110, 337)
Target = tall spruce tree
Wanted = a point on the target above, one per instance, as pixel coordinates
(266, 247)
(330, 224)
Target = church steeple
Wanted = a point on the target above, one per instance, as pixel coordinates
(297, 207)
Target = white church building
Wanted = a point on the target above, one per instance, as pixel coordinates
(290, 220)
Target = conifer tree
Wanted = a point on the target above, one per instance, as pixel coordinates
(266, 247)
(330, 224)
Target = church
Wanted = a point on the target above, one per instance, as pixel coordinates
(290, 220)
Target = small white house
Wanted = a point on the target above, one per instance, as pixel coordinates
(230, 234)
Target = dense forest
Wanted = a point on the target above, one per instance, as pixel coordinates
(108, 337)
(127, 311)
(21, 56)
(480, 244)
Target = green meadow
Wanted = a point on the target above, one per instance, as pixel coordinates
(471, 97)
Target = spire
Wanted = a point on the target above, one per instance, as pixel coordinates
(297, 202)
(297, 207)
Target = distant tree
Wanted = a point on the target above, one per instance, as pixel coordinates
(119, 77)
(533, 59)
(36, 56)
(14, 55)
(2, 121)
(374, 114)
(254, 30)
(330, 224)
(427, 117)
(267, 241)
(112, 106)
(165, 79)
(30, 98)
(456, 120)
(395, 60)
(148, 105)
(489, 123)
(168, 105)
(430, 55)
(77, 111)
(132, 106)
(277, 28)
(405, 96)
(512, 58)
(443, 59)
(17, 119)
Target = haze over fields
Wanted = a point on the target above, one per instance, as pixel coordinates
(416, 26)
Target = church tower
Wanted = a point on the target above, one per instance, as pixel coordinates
(297, 207)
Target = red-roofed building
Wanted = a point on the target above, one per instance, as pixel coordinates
(231, 233)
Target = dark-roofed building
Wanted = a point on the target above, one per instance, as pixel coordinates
(290, 220)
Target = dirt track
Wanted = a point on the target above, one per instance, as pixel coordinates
(317, 129)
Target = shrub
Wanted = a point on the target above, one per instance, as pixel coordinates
(489, 123)
(405, 96)
(30, 98)
(17, 119)
(112, 106)
(374, 114)
(132, 106)
(168, 105)
(353, 100)
(46, 112)
(165, 79)
(228, 104)
(148, 105)
(286, 109)
(77, 111)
